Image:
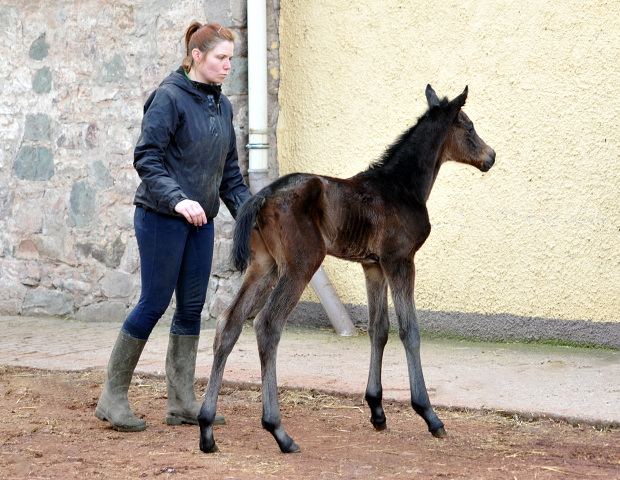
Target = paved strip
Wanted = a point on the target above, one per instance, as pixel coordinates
(565, 382)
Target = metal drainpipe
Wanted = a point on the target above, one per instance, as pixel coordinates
(258, 145)
(258, 171)
(337, 314)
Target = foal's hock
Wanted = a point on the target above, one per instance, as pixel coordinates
(377, 218)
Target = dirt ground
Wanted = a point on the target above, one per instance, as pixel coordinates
(48, 430)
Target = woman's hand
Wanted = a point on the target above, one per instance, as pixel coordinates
(192, 211)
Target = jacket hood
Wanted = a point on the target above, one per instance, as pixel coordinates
(197, 89)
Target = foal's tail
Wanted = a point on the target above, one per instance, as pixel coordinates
(246, 219)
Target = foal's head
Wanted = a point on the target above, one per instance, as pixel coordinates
(463, 143)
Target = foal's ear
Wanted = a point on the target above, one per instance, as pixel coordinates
(431, 97)
(460, 100)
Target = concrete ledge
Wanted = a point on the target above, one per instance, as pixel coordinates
(479, 326)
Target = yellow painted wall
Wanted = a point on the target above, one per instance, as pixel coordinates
(538, 235)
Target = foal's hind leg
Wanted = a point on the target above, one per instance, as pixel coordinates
(401, 280)
(378, 329)
(268, 326)
(259, 277)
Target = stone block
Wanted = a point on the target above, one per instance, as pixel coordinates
(109, 254)
(29, 213)
(223, 296)
(123, 214)
(73, 136)
(212, 288)
(10, 306)
(115, 70)
(27, 250)
(126, 183)
(145, 15)
(224, 223)
(82, 205)
(86, 249)
(67, 282)
(219, 11)
(102, 312)
(34, 163)
(92, 136)
(7, 197)
(11, 286)
(9, 21)
(222, 266)
(117, 284)
(49, 303)
(38, 128)
(237, 81)
(241, 42)
(61, 14)
(124, 16)
(50, 245)
(101, 175)
(39, 48)
(42, 80)
(240, 108)
(29, 274)
(239, 13)
(131, 259)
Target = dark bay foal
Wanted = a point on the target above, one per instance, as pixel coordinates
(377, 218)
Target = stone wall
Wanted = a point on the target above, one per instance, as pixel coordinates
(74, 79)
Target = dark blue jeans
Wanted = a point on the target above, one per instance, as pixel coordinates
(175, 256)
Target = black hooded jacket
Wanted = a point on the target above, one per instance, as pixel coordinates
(187, 149)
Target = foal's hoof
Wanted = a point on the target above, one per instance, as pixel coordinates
(209, 447)
(439, 433)
(380, 426)
(289, 446)
(294, 448)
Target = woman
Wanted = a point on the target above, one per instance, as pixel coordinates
(186, 157)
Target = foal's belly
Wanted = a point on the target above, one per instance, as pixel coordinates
(367, 258)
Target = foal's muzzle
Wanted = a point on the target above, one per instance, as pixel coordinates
(489, 161)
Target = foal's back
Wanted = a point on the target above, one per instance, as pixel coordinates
(354, 218)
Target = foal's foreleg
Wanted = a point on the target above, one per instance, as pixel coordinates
(257, 282)
(401, 281)
(378, 329)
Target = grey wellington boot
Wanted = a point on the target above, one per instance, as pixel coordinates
(180, 370)
(113, 404)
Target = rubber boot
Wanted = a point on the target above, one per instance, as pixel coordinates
(113, 404)
(180, 370)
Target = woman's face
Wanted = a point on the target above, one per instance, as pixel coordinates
(215, 65)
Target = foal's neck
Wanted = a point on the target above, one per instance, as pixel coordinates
(424, 161)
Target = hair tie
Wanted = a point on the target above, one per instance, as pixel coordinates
(218, 32)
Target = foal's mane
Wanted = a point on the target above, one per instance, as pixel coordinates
(395, 153)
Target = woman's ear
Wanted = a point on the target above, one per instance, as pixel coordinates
(196, 55)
